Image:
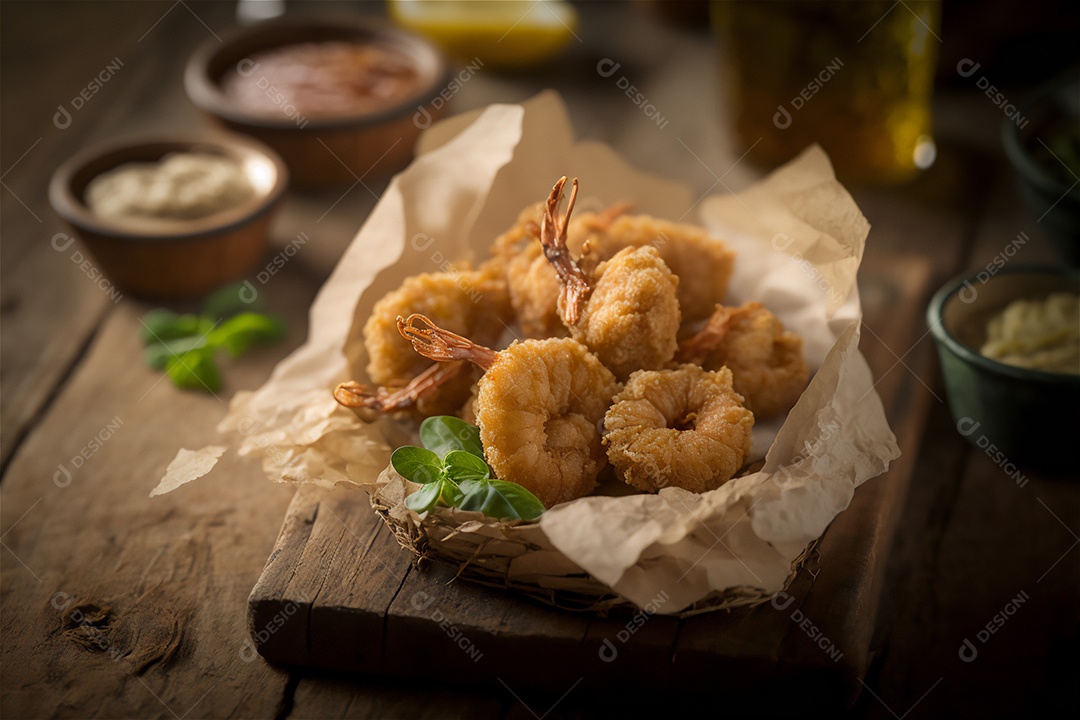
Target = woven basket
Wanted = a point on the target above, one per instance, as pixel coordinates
(518, 556)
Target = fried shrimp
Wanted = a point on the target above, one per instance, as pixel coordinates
(685, 427)
(765, 359)
(626, 311)
(538, 405)
(468, 301)
(533, 285)
(703, 264)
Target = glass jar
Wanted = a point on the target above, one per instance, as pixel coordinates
(855, 77)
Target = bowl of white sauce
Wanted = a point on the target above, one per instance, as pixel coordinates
(1009, 345)
(172, 217)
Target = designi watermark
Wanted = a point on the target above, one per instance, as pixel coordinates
(63, 117)
(968, 427)
(248, 293)
(422, 119)
(968, 67)
(609, 651)
(782, 601)
(248, 651)
(782, 118)
(422, 601)
(64, 474)
(608, 67)
(248, 67)
(420, 242)
(969, 292)
(968, 650)
(62, 241)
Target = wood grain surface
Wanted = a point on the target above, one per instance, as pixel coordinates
(116, 605)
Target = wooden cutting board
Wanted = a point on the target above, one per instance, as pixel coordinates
(339, 593)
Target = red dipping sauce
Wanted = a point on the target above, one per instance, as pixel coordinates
(329, 79)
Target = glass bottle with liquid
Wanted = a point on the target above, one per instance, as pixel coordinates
(855, 77)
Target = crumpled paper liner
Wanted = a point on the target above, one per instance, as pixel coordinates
(799, 238)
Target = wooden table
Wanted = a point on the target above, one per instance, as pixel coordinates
(117, 605)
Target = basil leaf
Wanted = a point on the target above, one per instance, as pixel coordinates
(445, 433)
(159, 354)
(444, 492)
(239, 331)
(423, 499)
(194, 370)
(161, 325)
(417, 464)
(462, 466)
(228, 301)
(500, 499)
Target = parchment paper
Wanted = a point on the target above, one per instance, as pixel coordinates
(799, 238)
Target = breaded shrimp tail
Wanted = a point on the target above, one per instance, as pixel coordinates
(368, 402)
(434, 343)
(704, 342)
(575, 284)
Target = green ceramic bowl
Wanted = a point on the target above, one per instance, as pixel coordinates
(1042, 141)
(1019, 417)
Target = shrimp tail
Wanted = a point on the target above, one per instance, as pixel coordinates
(575, 283)
(601, 220)
(434, 343)
(701, 344)
(368, 402)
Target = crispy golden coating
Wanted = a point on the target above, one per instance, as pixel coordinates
(703, 264)
(765, 359)
(631, 318)
(538, 405)
(463, 300)
(539, 408)
(685, 428)
(534, 293)
(533, 285)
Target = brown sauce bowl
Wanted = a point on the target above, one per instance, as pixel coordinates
(323, 151)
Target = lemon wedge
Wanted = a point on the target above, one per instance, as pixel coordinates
(498, 33)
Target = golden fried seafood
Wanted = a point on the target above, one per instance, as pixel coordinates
(702, 263)
(435, 391)
(631, 319)
(464, 300)
(765, 359)
(626, 311)
(539, 405)
(685, 428)
(533, 285)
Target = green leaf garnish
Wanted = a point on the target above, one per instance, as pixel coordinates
(442, 492)
(161, 325)
(500, 499)
(417, 464)
(228, 301)
(185, 346)
(454, 474)
(194, 370)
(462, 465)
(444, 433)
(159, 354)
(240, 331)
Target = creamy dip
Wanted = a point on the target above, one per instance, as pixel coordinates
(181, 186)
(1037, 334)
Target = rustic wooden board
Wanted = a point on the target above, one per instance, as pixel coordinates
(105, 587)
(339, 593)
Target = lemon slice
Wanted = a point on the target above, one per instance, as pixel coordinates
(498, 33)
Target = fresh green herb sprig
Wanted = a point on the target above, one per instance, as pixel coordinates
(185, 346)
(452, 470)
